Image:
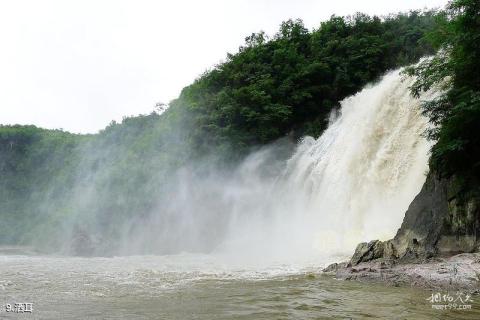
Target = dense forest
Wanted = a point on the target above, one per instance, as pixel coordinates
(290, 83)
(56, 185)
(455, 114)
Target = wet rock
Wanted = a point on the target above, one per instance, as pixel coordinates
(334, 267)
(368, 251)
(423, 222)
(442, 219)
(389, 251)
(410, 256)
(360, 251)
(459, 272)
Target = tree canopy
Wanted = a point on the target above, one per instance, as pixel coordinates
(290, 83)
(455, 70)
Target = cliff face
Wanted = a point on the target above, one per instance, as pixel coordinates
(442, 220)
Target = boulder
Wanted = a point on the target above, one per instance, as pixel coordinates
(334, 267)
(368, 251)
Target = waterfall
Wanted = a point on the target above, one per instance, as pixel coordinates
(310, 202)
(352, 184)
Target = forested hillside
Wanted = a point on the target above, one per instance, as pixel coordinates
(291, 82)
(455, 113)
(56, 185)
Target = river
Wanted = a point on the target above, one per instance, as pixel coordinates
(189, 286)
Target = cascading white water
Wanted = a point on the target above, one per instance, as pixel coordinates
(352, 184)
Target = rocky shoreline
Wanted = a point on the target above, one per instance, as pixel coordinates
(436, 247)
(458, 272)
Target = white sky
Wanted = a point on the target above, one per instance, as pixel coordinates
(77, 65)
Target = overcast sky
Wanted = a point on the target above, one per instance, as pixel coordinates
(77, 65)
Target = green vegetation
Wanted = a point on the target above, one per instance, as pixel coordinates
(455, 113)
(55, 185)
(289, 84)
(29, 158)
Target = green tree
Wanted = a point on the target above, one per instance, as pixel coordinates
(455, 71)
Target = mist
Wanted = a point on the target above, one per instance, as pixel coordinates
(302, 201)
